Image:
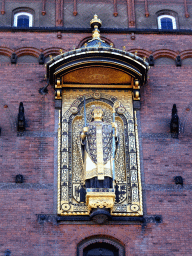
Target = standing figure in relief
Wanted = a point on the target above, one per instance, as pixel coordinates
(97, 151)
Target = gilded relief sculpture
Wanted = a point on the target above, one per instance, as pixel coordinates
(98, 140)
(99, 161)
(97, 151)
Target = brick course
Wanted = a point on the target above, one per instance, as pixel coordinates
(33, 154)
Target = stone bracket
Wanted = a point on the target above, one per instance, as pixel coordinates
(55, 219)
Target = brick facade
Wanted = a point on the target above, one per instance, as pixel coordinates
(33, 154)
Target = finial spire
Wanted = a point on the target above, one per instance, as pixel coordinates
(95, 24)
(96, 40)
(95, 21)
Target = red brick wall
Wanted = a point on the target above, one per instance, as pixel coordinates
(61, 13)
(33, 155)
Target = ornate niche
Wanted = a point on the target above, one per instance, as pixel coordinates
(72, 192)
(97, 93)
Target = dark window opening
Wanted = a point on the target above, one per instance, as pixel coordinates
(23, 21)
(166, 23)
(101, 249)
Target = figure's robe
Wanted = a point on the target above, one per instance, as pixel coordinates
(97, 154)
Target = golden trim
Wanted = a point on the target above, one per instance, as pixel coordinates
(58, 95)
(97, 86)
(102, 63)
(96, 51)
(138, 165)
(58, 163)
(90, 57)
(136, 85)
(58, 84)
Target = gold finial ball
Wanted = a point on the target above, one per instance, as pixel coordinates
(95, 22)
(137, 94)
(136, 83)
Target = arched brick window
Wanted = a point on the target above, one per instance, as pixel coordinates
(23, 20)
(166, 22)
(95, 246)
(23, 17)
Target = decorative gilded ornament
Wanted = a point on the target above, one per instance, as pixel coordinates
(97, 95)
(84, 126)
(65, 207)
(134, 207)
(120, 110)
(74, 110)
(96, 200)
(96, 20)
